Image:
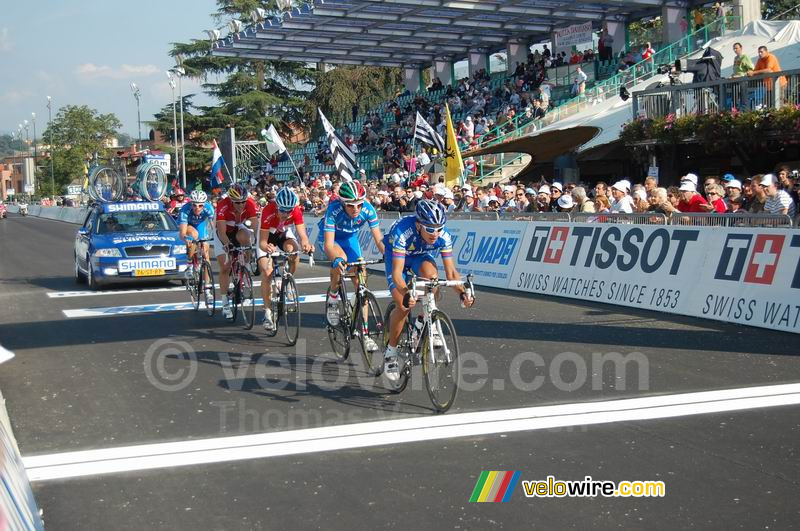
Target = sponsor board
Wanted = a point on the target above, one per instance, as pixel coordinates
(131, 207)
(573, 35)
(748, 276)
(159, 263)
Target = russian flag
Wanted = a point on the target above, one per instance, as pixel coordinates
(217, 162)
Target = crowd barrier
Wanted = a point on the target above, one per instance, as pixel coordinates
(76, 215)
(745, 275)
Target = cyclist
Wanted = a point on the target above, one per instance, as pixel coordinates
(276, 232)
(193, 224)
(236, 215)
(339, 229)
(412, 244)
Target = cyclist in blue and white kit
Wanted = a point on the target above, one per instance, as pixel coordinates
(195, 223)
(412, 244)
(339, 237)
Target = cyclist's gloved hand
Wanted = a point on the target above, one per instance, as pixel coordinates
(338, 263)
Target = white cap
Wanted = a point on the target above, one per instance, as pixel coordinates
(509, 188)
(395, 178)
(439, 189)
(465, 188)
(544, 190)
(692, 178)
(362, 171)
(383, 192)
(448, 194)
(687, 186)
(620, 185)
(558, 186)
(565, 201)
(417, 193)
(493, 198)
(768, 179)
(735, 183)
(640, 194)
(469, 193)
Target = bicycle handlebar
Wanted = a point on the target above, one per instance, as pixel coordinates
(431, 284)
(364, 262)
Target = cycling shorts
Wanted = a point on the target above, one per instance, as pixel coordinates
(413, 264)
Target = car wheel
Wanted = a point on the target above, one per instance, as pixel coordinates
(80, 278)
(90, 279)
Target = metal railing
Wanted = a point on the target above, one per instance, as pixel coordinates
(535, 216)
(763, 91)
(772, 221)
(645, 218)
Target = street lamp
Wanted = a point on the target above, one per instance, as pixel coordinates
(50, 128)
(174, 121)
(180, 72)
(137, 94)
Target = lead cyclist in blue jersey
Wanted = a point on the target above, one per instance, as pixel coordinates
(194, 223)
(412, 244)
(339, 237)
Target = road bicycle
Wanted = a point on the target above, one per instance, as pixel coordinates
(285, 302)
(242, 295)
(429, 340)
(360, 320)
(200, 279)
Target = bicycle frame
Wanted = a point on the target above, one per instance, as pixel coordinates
(358, 303)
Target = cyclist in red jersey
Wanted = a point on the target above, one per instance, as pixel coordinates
(280, 227)
(233, 214)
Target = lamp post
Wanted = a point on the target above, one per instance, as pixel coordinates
(35, 153)
(137, 94)
(50, 128)
(174, 122)
(180, 72)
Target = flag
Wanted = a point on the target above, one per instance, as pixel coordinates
(274, 142)
(453, 164)
(427, 134)
(343, 156)
(217, 162)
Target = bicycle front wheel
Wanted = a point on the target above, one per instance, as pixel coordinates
(208, 288)
(289, 309)
(370, 332)
(247, 299)
(195, 286)
(440, 365)
(339, 335)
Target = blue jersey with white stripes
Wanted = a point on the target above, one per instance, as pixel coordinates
(188, 216)
(337, 220)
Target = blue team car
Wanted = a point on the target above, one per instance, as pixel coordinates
(128, 242)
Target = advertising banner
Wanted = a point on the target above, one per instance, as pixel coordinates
(573, 35)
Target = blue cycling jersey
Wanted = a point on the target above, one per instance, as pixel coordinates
(338, 221)
(404, 240)
(186, 215)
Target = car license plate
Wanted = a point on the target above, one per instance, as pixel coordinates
(148, 272)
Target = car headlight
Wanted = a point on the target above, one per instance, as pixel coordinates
(179, 249)
(110, 252)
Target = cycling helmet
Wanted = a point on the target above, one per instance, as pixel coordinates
(352, 192)
(431, 213)
(286, 199)
(198, 196)
(238, 193)
(177, 191)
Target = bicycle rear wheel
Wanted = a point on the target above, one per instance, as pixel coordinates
(234, 298)
(247, 299)
(289, 309)
(403, 350)
(208, 287)
(441, 366)
(370, 327)
(274, 306)
(339, 335)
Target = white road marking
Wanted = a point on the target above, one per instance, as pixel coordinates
(86, 293)
(181, 306)
(398, 431)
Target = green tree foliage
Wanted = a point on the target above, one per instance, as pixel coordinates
(78, 132)
(9, 145)
(772, 8)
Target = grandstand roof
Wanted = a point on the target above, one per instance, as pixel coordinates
(416, 32)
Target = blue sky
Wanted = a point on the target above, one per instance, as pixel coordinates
(88, 52)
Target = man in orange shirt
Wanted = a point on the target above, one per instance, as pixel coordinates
(766, 64)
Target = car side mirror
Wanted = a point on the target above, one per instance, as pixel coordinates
(83, 231)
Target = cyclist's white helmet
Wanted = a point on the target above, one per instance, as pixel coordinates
(198, 196)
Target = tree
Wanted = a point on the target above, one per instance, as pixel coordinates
(10, 145)
(772, 8)
(78, 132)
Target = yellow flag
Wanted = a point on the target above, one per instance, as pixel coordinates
(453, 165)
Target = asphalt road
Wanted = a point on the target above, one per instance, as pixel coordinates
(98, 383)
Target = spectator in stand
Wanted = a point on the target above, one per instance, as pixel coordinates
(736, 206)
(601, 188)
(690, 201)
(582, 203)
(647, 55)
(742, 64)
(467, 202)
(623, 203)
(787, 181)
(659, 202)
(766, 64)
(733, 190)
(556, 191)
(494, 204)
(522, 201)
(565, 204)
(602, 204)
(674, 197)
(544, 199)
(754, 195)
(778, 201)
(508, 203)
(640, 203)
(716, 203)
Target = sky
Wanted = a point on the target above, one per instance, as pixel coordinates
(88, 52)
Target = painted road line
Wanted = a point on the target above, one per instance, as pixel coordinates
(399, 431)
(180, 306)
(86, 293)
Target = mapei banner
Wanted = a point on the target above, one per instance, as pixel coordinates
(485, 249)
(748, 276)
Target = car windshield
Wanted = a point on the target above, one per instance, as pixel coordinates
(134, 222)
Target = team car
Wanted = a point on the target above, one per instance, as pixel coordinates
(127, 242)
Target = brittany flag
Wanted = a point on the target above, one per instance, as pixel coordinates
(217, 162)
(494, 486)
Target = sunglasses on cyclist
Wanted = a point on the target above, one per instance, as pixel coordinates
(198, 204)
(432, 230)
(285, 211)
